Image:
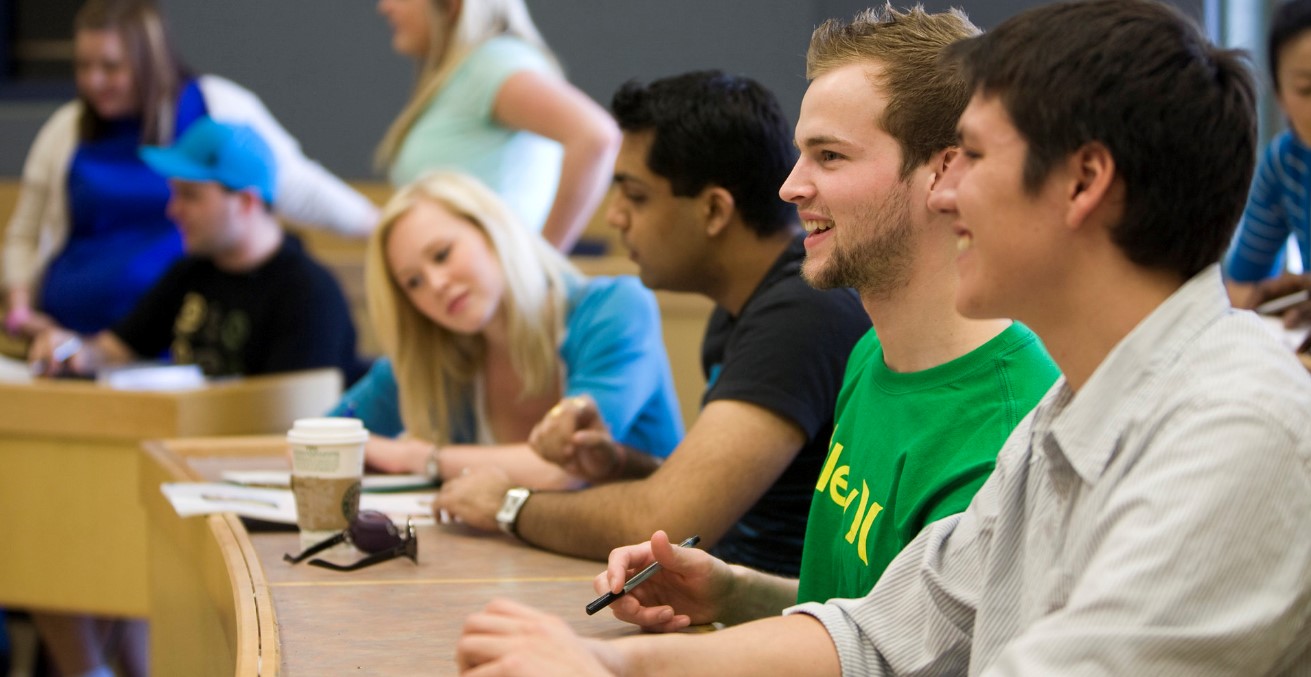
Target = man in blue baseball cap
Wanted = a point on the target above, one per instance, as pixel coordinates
(245, 300)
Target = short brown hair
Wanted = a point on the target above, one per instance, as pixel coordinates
(925, 94)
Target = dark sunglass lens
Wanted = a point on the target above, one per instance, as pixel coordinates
(372, 531)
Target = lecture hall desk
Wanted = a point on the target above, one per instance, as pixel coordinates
(226, 603)
(71, 521)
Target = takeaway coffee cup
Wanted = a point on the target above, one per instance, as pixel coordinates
(327, 462)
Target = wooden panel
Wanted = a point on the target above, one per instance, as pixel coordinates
(75, 532)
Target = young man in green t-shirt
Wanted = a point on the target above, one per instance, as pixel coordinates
(929, 396)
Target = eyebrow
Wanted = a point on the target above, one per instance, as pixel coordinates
(822, 140)
(622, 178)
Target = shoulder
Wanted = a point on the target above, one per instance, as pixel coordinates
(792, 301)
(507, 48)
(620, 302)
(65, 117)
(60, 129)
(220, 93)
(865, 348)
(611, 292)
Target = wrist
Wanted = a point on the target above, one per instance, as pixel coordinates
(512, 504)
(430, 465)
(751, 595)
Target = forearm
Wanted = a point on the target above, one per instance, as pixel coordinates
(592, 522)
(584, 177)
(518, 461)
(635, 465)
(791, 645)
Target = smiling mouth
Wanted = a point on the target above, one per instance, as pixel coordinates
(813, 226)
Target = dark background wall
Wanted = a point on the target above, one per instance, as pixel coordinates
(326, 70)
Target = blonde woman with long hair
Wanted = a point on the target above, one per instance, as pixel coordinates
(486, 329)
(490, 101)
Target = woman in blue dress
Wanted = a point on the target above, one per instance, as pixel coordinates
(89, 234)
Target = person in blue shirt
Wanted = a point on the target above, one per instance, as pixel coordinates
(1279, 204)
(485, 329)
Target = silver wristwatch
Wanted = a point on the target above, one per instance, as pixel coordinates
(431, 467)
(507, 517)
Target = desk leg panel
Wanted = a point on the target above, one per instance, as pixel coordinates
(73, 527)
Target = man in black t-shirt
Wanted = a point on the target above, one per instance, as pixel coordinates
(697, 205)
(246, 299)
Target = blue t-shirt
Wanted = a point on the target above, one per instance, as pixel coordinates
(613, 350)
(458, 131)
(1278, 205)
(120, 239)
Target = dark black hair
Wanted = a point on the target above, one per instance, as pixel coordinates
(1289, 21)
(1138, 77)
(715, 129)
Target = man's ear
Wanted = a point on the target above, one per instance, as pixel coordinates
(939, 163)
(1091, 182)
(250, 200)
(720, 208)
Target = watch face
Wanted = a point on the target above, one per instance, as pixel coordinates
(509, 512)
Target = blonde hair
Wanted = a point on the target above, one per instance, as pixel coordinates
(450, 43)
(436, 368)
(157, 72)
(925, 94)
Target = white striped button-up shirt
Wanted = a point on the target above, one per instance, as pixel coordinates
(1156, 523)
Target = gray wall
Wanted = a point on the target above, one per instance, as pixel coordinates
(326, 70)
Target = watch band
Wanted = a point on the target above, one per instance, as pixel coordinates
(431, 467)
(507, 518)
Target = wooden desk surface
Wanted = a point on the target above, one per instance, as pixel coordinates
(394, 618)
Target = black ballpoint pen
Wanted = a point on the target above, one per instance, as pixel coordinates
(604, 600)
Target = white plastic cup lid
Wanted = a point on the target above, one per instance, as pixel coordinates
(330, 430)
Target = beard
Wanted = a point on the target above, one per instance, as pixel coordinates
(874, 257)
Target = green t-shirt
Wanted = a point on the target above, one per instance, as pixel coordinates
(457, 131)
(908, 449)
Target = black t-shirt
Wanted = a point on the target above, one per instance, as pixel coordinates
(785, 352)
(286, 315)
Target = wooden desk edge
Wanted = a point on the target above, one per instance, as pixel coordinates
(257, 628)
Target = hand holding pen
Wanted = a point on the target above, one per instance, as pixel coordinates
(687, 589)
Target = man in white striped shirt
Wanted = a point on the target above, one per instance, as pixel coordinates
(1150, 517)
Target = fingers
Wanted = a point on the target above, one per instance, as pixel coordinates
(473, 498)
(626, 561)
(1298, 315)
(1280, 286)
(586, 414)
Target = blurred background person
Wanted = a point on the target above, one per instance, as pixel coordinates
(1279, 204)
(89, 234)
(486, 327)
(490, 100)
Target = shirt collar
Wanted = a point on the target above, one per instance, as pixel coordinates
(1087, 424)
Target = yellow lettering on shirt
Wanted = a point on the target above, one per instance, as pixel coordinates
(861, 549)
(860, 512)
(839, 485)
(829, 466)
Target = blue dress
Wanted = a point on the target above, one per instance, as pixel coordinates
(120, 241)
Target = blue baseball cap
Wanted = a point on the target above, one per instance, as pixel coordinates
(230, 154)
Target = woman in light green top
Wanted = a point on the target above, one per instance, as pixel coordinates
(490, 101)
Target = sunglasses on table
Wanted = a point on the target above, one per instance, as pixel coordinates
(370, 532)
